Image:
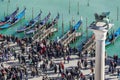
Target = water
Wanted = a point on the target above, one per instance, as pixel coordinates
(62, 6)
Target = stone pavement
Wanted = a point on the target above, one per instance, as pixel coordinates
(72, 63)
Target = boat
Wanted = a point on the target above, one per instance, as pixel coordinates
(77, 25)
(55, 21)
(30, 24)
(48, 29)
(91, 42)
(7, 18)
(41, 24)
(112, 37)
(44, 21)
(14, 20)
(87, 43)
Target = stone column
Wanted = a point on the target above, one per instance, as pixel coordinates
(100, 36)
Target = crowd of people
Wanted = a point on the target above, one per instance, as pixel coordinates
(36, 59)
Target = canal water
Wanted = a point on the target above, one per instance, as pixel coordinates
(86, 9)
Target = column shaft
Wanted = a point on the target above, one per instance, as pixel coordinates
(100, 59)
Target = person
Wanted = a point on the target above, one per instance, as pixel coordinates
(68, 58)
(33, 72)
(62, 66)
(14, 76)
(82, 76)
(19, 58)
(115, 65)
(85, 64)
(79, 64)
(91, 74)
(82, 60)
(118, 73)
(26, 73)
(91, 63)
(43, 78)
(55, 68)
(15, 55)
(2, 65)
(115, 57)
(63, 76)
(37, 73)
(0, 74)
(64, 59)
(86, 53)
(59, 68)
(21, 75)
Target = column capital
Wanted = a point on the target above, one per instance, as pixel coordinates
(100, 35)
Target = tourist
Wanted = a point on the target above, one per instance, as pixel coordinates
(55, 68)
(15, 55)
(64, 59)
(118, 74)
(115, 57)
(85, 63)
(79, 64)
(82, 77)
(86, 53)
(91, 75)
(91, 63)
(19, 58)
(68, 58)
(59, 69)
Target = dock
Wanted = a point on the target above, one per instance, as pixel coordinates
(89, 44)
(63, 37)
(71, 37)
(38, 32)
(45, 33)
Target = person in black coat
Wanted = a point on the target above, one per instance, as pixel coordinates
(55, 68)
(59, 68)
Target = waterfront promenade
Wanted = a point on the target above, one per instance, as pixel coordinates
(72, 63)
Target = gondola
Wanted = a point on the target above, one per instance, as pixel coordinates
(14, 20)
(49, 28)
(77, 25)
(7, 18)
(112, 37)
(54, 21)
(41, 24)
(30, 24)
(108, 41)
